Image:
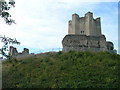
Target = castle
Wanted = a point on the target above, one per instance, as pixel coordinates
(84, 34)
(13, 52)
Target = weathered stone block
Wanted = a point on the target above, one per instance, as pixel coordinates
(83, 43)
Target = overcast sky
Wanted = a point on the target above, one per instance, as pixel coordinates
(42, 24)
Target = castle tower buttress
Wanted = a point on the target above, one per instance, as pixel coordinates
(75, 23)
(70, 27)
(98, 26)
(89, 23)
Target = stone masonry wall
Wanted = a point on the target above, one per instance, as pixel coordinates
(85, 43)
(13, 51)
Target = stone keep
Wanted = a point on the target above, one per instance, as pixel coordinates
(85, 25)
(84, 34)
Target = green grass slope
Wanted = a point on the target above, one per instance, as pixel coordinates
(63, 70)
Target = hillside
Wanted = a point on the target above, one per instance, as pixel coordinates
(63, 70)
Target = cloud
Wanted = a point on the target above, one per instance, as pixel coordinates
(44, 23)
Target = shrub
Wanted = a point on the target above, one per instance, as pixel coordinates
(64, 70)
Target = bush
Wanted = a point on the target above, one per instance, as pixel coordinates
(64, 70)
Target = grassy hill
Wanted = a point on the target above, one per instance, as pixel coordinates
(63, 70)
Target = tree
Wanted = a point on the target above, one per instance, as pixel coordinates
(6, 41)
(4, 7)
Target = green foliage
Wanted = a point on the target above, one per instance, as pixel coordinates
(4, 8)
(63, 70)
(6, 41)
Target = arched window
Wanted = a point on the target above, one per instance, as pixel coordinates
(82, 32)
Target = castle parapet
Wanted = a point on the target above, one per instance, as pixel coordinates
(86, 25)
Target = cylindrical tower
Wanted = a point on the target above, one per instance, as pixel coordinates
(75, 24)
(89, 23)
(98, 26)
(70, 27)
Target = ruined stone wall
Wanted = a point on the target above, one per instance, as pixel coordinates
(85, 43)
(13, 51)
(110, 46)
(25, 51)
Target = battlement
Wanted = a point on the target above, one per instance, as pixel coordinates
(86, 25)
(89, 14)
